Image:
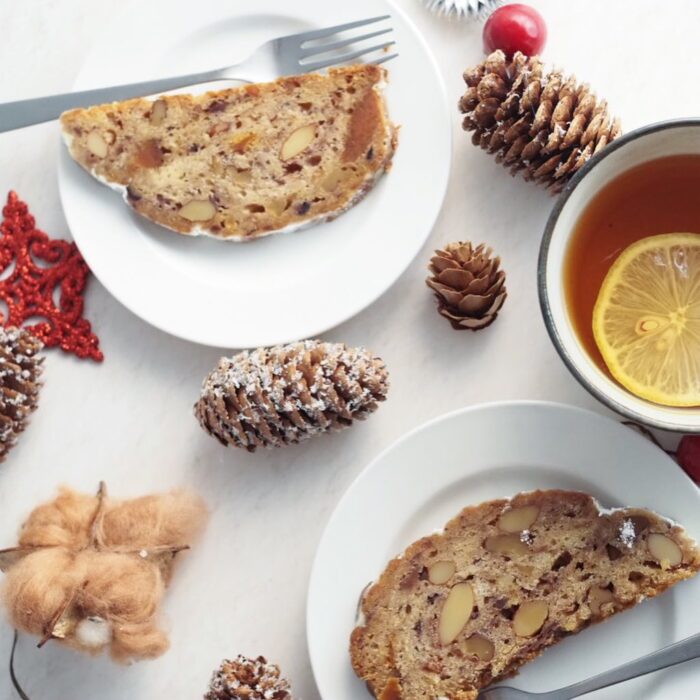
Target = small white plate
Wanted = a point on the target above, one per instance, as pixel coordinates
(284, 287)
(487, 452)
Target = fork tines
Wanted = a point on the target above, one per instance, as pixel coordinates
(315, 54)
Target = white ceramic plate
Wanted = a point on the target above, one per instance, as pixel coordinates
(487, 452)
(284, 287)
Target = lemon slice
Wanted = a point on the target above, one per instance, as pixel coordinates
(646, 320)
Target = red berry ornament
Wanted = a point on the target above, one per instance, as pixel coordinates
(514, 28)
(688, 456)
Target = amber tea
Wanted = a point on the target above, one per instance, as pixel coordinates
(660, 196)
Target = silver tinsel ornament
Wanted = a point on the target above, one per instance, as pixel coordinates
(463, 9)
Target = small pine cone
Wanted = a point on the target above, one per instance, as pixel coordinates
(469, 286)
(20, 370)
(248, 679)
(544, 125)
(278, 396)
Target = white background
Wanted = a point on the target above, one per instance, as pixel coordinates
(128, 420)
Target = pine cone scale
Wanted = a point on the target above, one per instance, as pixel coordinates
(450, 296)
(491, 86)
(456, 278)
(597, 130)
(474, 304)
(519, 129)
(441, 263)
(485, 112)
(543, 117)
(531, 96)
(482, 286)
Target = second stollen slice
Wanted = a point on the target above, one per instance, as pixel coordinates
(245, 162)
(506, 579)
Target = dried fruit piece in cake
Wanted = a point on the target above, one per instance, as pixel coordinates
(244, 162)
(504, 580)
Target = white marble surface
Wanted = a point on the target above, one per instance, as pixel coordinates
(129, 421)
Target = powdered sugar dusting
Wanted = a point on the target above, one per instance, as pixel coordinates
(628, 535)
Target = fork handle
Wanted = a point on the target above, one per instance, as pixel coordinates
(668, 656)
(14, 115)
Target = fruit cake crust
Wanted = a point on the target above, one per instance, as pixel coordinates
(229, 152)
(572, 548)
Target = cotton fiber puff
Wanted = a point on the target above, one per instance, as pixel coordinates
(91, 572)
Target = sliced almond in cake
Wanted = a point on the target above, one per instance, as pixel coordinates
(244, 162)
(504, 580)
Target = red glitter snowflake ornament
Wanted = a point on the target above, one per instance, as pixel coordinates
(42, 266)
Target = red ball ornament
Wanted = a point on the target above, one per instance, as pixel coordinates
(514, 28)
(688, 456)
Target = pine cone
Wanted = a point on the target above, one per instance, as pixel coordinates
(278, 396)
(248, 679)
(469, 286)
(546, 126)
(20, 369)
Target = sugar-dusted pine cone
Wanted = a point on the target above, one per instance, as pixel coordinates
(278, 396)
(248, 679)
(469, 285)
(20, 371)
(545, 126)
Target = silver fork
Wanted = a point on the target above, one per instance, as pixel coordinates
(668, 656)
(286, 55)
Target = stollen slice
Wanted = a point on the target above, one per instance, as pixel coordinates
(244, 162)
(504, 580)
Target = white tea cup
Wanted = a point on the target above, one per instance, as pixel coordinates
(681, 137)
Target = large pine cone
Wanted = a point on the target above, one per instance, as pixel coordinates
(469, 285)
(20, 371)
(545, 126)
(282, 395)
(248, 679)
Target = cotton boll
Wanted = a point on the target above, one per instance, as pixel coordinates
(91, 573)
(93, 632)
